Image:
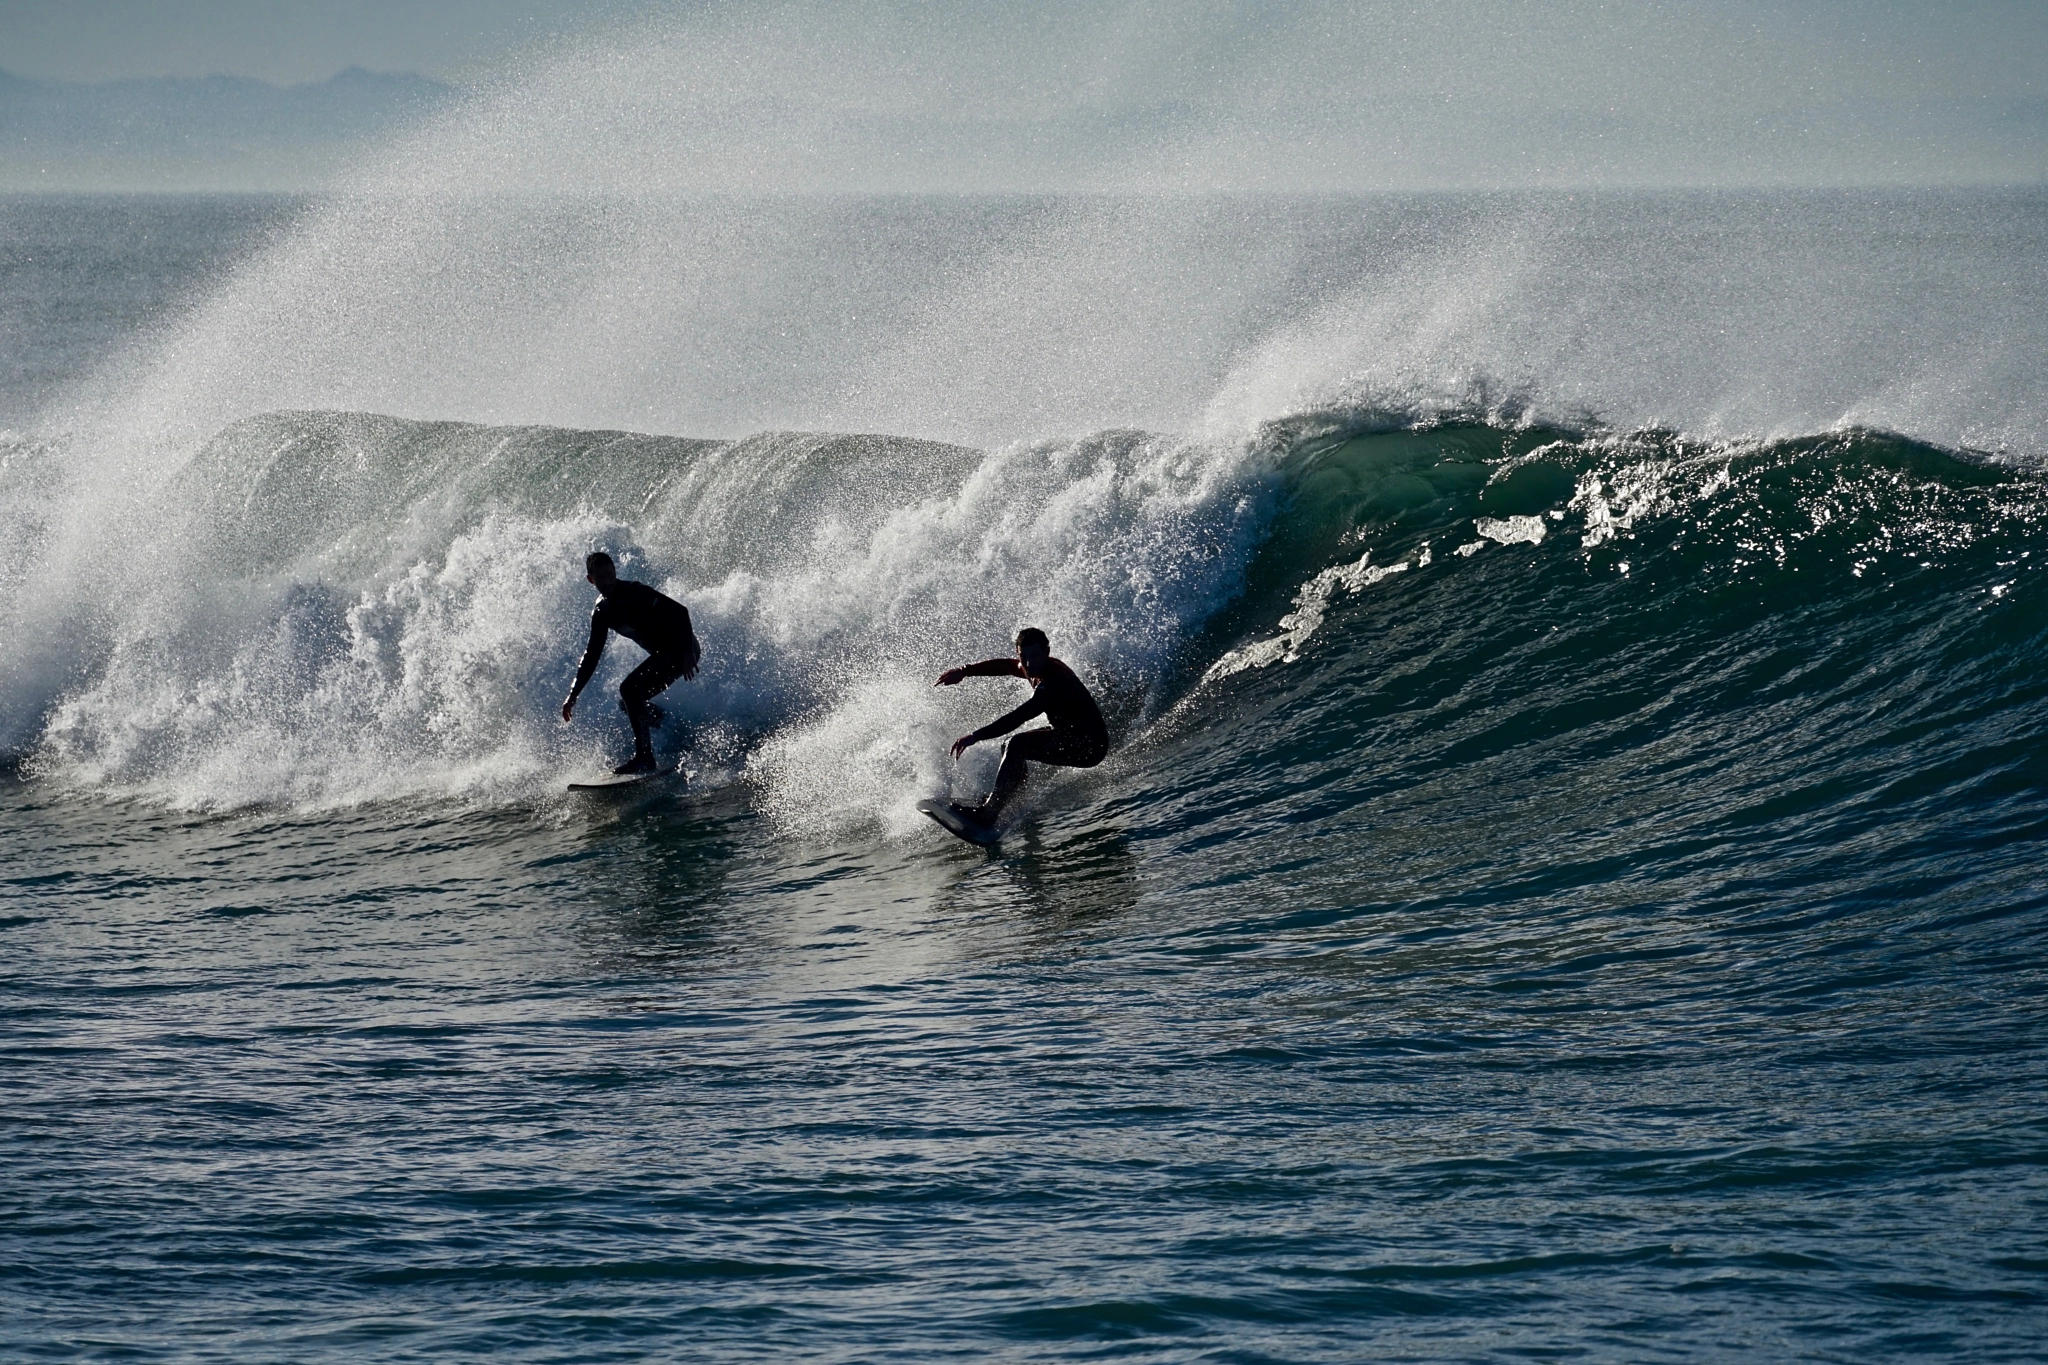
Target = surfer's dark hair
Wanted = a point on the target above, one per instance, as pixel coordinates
(1032, 635)
(598, 559)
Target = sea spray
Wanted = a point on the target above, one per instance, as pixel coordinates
(346, 607)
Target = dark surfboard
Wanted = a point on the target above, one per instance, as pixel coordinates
(954, 823)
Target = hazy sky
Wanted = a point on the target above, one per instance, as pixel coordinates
(283, 41)
(1205, 93)
(1961, 50)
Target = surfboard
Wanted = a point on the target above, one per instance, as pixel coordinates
(954, 823)
(612, 782)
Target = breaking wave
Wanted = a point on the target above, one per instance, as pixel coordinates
(325, 608)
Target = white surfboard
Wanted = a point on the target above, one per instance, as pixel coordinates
(612, 782)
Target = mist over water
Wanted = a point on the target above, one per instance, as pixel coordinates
(1564, 878)
(673, 227)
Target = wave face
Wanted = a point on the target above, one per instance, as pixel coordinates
(1631, 651)
(327, 608)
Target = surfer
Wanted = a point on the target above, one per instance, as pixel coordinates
(658, 624)
(1076, 739)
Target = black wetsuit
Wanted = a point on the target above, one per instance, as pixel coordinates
(658, 624)
(1077, 739)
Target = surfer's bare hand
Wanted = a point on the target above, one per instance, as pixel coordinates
(568, 708)
(947, 679)
(962, 744)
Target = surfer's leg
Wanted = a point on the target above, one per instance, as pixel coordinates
(1009, 780)
(636, 699)
(1064, 750)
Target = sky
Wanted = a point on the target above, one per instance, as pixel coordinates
(280, 41)
(1960, 50)
(1234, 94)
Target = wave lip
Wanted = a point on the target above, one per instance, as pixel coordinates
(1460, 482)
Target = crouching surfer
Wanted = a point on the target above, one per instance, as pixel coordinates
(1076, 739)
(658, 624)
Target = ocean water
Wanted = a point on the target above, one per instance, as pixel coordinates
(1567, 882)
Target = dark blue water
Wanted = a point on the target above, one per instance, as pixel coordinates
(1560, 891)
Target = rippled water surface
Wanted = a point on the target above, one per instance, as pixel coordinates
(576, 1084)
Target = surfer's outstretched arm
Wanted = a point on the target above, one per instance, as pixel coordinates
(592, 652)
(987, 668)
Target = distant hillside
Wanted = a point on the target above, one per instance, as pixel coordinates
(220, 132)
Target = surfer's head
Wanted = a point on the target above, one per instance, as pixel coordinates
(1033, 649)
(599, 569)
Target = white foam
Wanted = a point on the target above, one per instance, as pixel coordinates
(1511, 530)
(422, 681)
(1311, 606)
(426, 655)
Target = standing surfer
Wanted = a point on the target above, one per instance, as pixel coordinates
(1076, 739)
(658, 624)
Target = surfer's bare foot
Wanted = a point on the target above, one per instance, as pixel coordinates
(638, 763)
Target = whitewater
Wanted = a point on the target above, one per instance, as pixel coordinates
(1565, 883)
